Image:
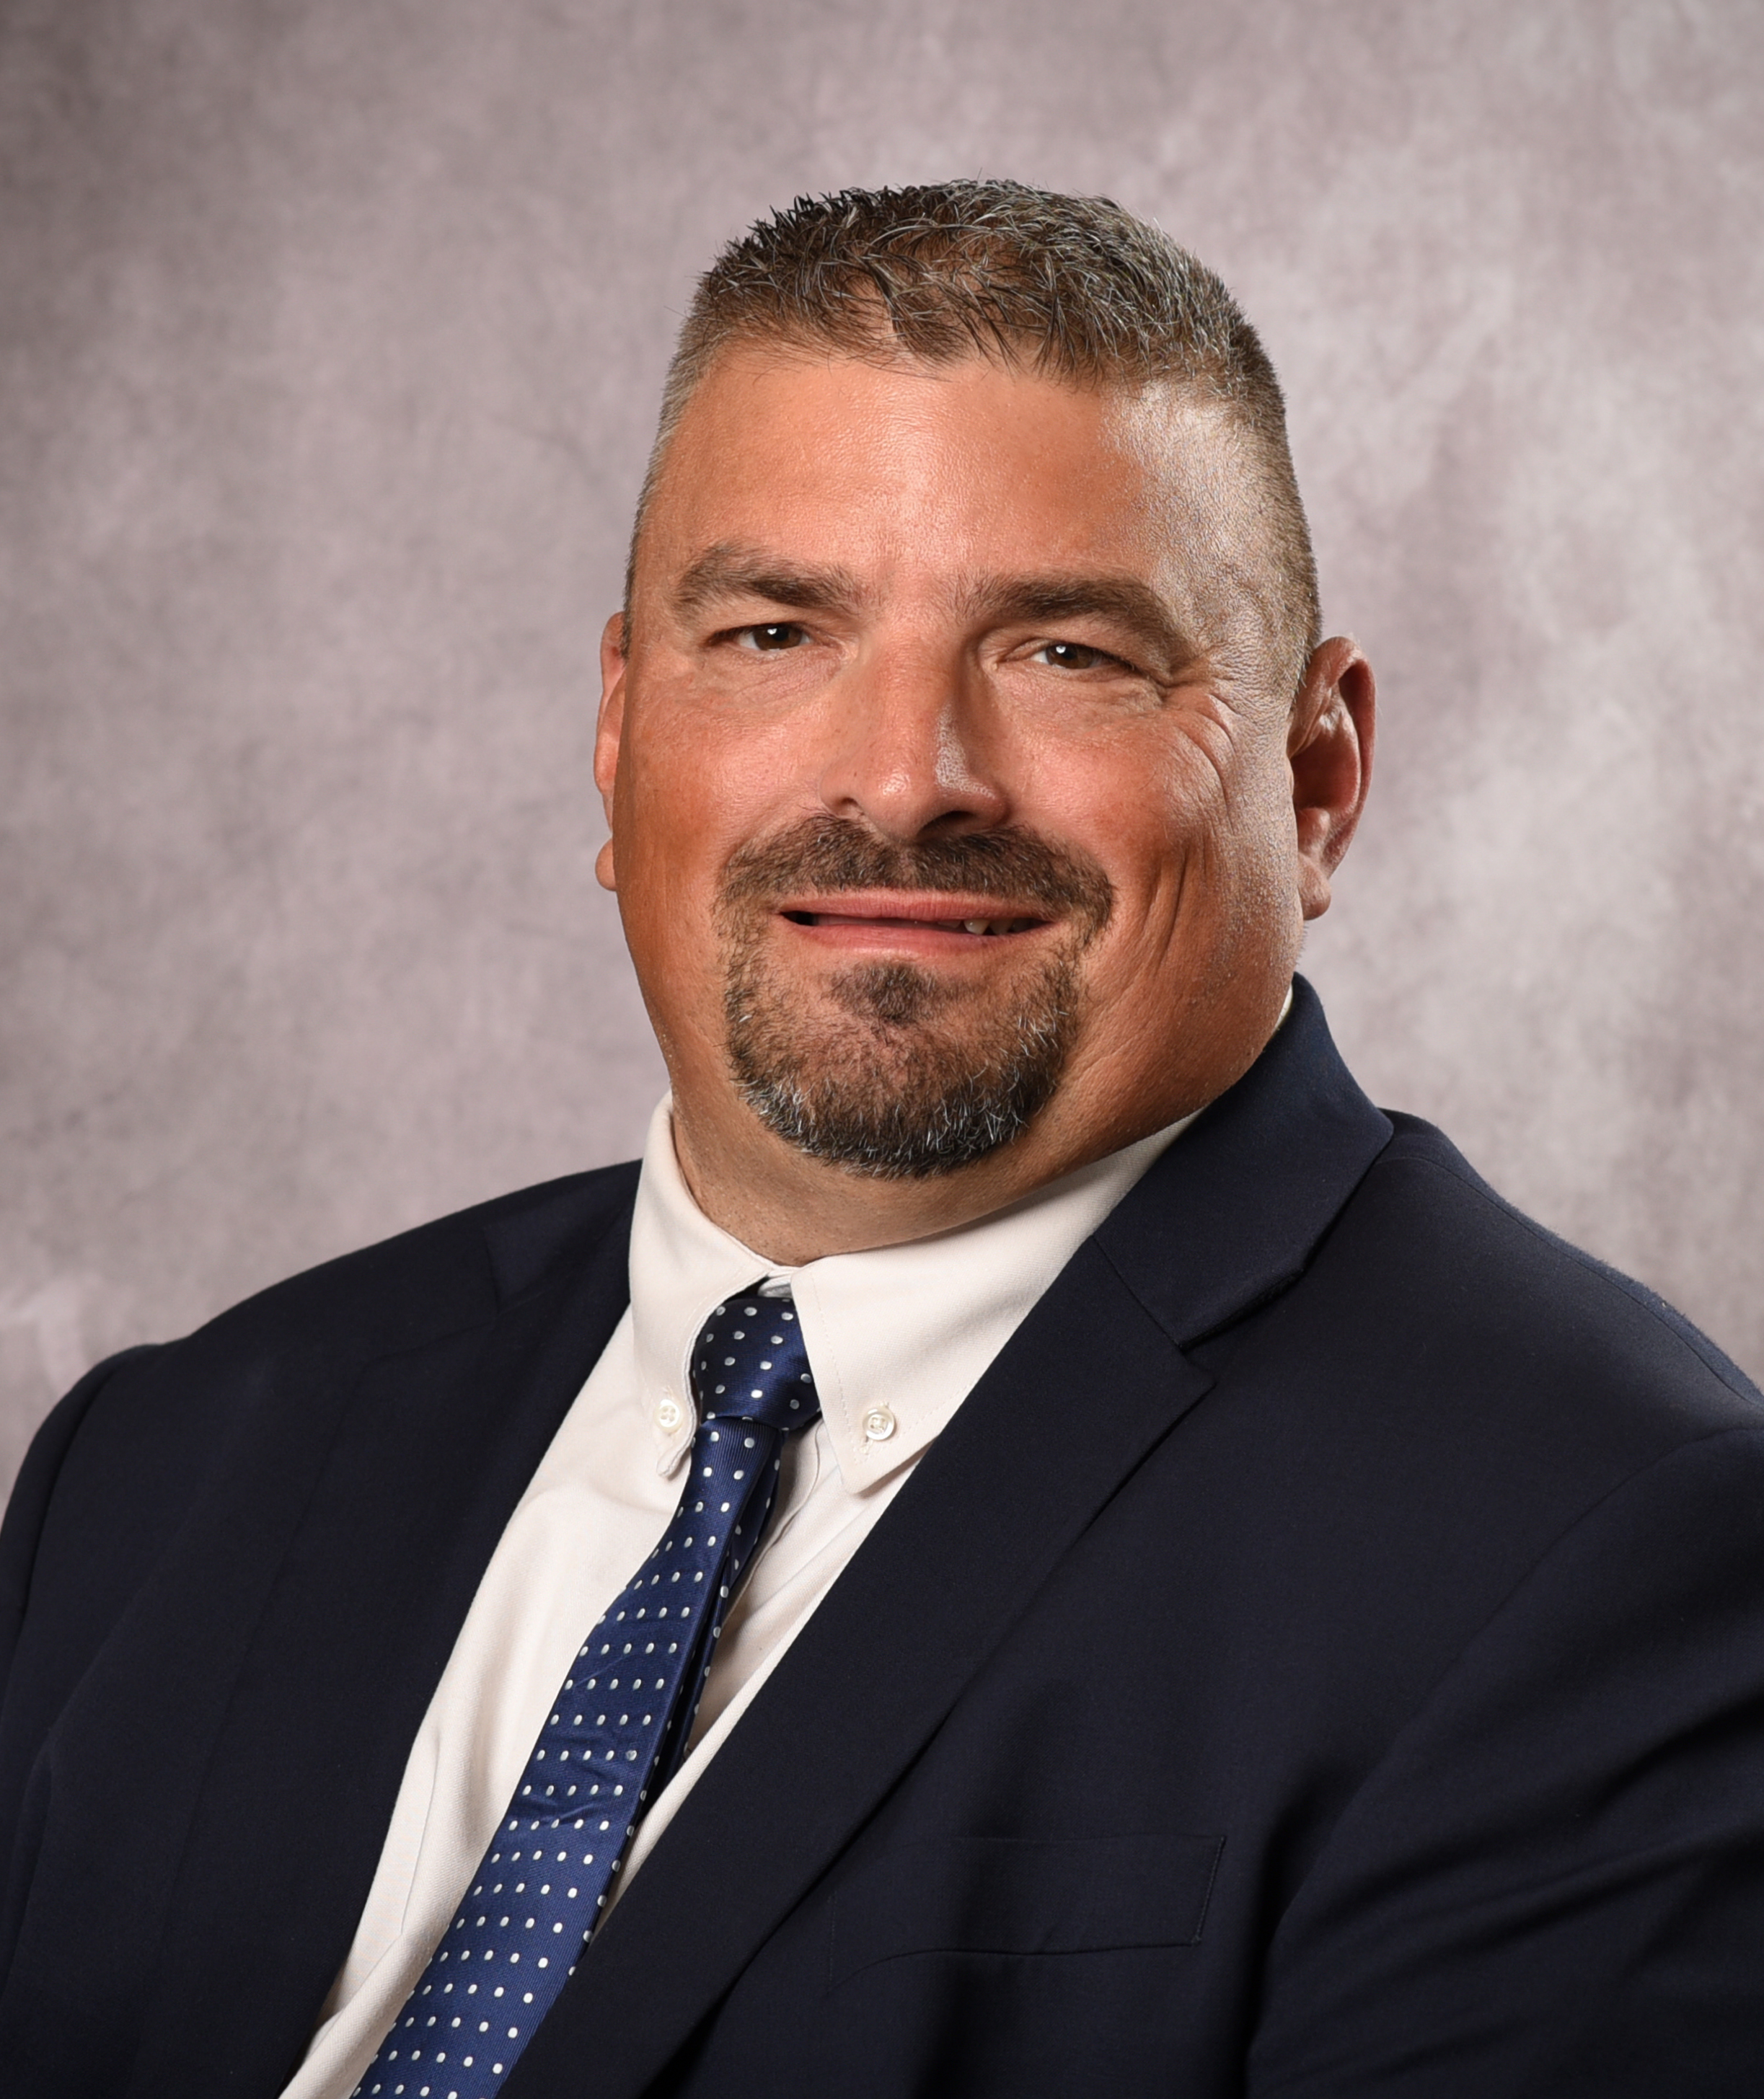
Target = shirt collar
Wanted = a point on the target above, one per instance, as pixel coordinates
(897, 1336)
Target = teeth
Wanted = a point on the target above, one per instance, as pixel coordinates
(977, 925)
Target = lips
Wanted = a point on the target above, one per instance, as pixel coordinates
(835, 885)
(984, 928)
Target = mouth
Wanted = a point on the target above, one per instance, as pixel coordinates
(912, 923)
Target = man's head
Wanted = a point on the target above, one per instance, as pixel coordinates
(970, 758)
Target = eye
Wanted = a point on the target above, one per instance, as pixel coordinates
(777, 634)
(1074, 656)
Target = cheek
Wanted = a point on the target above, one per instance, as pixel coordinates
(692, 789)
(668, 856)
(686, 792)
(1194, 847)
(1141, 810)
(699, 752)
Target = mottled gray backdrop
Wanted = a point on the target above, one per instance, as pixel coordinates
(332, 333)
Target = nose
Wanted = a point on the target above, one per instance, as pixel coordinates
(912, 751)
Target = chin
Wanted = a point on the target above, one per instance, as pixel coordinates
(895, 1072)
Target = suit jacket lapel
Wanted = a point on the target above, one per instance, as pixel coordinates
(433, 1451)
(1090, 1383)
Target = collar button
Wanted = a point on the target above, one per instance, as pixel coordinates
(879, 1424)
(669, 1413)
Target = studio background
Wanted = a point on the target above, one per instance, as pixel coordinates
(333, 335)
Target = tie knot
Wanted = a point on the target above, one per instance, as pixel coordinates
(749, 1364)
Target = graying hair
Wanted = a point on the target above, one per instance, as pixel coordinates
(1069, 288)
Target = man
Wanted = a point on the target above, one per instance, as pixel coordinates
(1080, 1556)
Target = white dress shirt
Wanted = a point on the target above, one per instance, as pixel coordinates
(897, 1337)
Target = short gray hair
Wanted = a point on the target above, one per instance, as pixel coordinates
(1069, 287)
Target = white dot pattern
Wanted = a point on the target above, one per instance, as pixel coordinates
(616, 1731)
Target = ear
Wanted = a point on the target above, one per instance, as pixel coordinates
(607, 733)
(1329, 748)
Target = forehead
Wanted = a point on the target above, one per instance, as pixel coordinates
(907, 467)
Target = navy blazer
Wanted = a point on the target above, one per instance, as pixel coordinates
(1324, 1656)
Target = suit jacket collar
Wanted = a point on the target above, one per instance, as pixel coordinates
(1229, 1216)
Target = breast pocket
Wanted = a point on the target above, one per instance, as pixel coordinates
(1004, 1894)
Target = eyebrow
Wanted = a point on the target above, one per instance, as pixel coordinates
(727, 570)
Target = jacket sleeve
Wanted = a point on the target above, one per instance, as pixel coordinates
(1553, 1886)
(32, 1494)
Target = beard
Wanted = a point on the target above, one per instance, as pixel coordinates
(910, 1076)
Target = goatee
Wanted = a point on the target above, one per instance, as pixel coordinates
(914, 1075)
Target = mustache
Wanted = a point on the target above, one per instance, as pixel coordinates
(827, 854)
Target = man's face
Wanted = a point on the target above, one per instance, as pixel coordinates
(949, 798)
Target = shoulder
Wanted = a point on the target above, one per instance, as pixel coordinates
(1475, 1346)
(1483, 1265)
(163, 1414)
(451, 1272)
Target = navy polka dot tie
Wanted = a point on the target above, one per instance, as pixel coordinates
(617, 1729)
